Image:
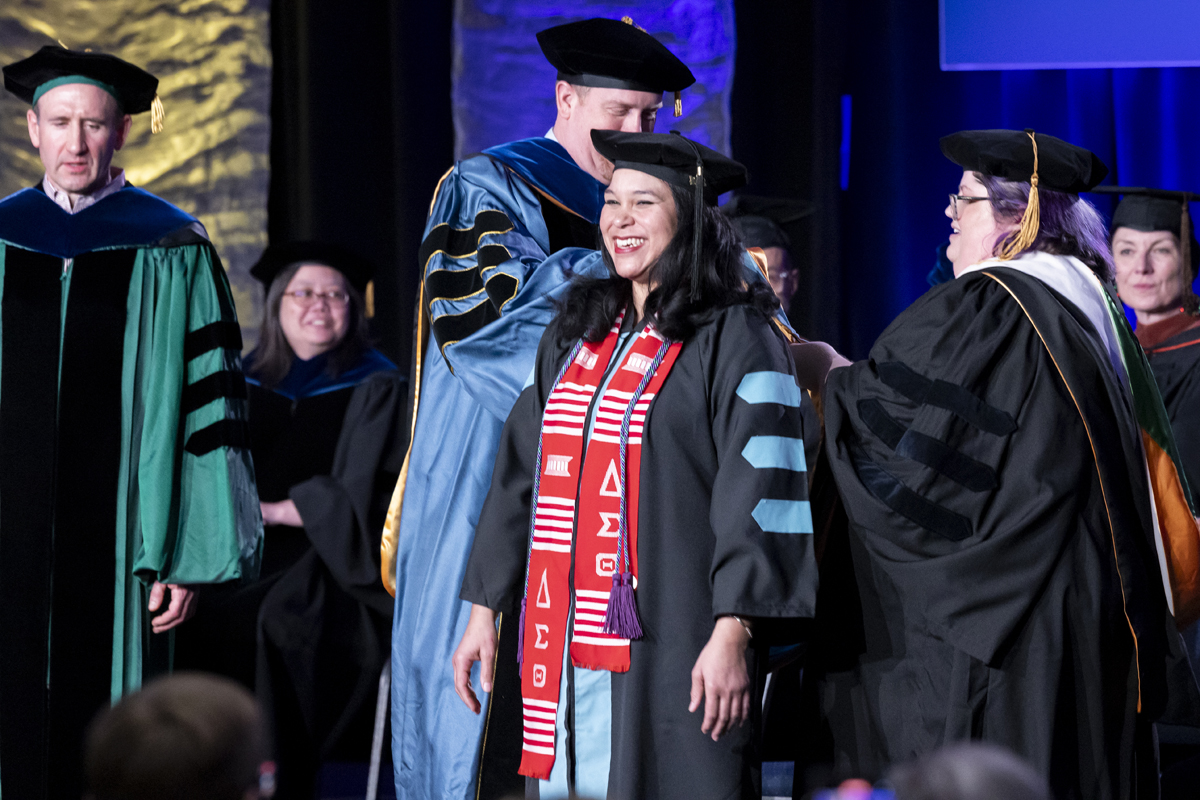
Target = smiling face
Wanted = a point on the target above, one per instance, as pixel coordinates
(638, 222)
(1151, 278)
(976, 231)
(583, 109)
(317, 324)
(76, 128)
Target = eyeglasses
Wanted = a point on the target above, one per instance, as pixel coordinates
(955, 199)
(306, 297)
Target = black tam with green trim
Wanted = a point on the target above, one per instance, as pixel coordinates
(613, 54)
(1061, 166)
(132, 87)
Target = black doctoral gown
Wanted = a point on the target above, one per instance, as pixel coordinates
(1173, 350)
(701, 551)
(312, 634)
(1000, 538)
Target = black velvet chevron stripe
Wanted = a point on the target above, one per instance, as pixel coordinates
(904, 501)
(226, 383)
(454, 284)
(924, 449)
(213, 336)
(459, 243)
(453, 328)
(500, 289)
(224, 433)
(919, 389)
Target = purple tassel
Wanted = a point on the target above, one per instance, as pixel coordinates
(621, 617)
(521, 640)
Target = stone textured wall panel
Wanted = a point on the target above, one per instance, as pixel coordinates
(213, 62)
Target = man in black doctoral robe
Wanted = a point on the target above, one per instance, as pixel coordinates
(124, 467)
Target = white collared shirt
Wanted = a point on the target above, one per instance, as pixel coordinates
(116, 182)
(550, 135)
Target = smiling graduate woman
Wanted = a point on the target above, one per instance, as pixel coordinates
(312, 634)
(659, 446)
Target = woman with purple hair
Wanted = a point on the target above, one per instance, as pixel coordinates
(1020, 541)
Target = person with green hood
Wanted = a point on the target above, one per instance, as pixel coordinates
(125, 473)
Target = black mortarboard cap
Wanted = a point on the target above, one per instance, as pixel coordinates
(760, 220)
(679, 161)
(1156, 210)
(278, 257)
(672, 158)
(614, 54)
(133, 87)
(1008, 154)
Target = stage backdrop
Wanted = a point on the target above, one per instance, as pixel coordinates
(1143, 124)
(504, 88)
(213, 62)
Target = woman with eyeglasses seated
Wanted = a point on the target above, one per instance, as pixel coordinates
(312, 634)
(1005, 463)
(659, 447)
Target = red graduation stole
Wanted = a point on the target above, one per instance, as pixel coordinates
(605, 551)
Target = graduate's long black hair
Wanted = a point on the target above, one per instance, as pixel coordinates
(591, 305)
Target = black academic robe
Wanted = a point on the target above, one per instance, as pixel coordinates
(1176, 365)
(1175, 360)
(123, 460)
(701, 554)
(1000, 538)
(312, 634)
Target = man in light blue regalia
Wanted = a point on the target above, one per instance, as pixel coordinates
(486, 295)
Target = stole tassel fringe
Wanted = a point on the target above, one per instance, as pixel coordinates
(621, 617)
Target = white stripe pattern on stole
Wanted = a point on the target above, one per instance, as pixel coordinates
(567, 407)
(610, 412)
(538, 715)
(552, 524)
(601, 642)
(588, 625)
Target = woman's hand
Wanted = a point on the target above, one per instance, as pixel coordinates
(721, 679)
(282, 513)
(478, 644)
(814, 361)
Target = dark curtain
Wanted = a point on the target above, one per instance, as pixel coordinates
(363, 129)
(1141, 122)
(361, 132)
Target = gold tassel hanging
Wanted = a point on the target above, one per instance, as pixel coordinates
(157, 115)
(1031, 220)
(369, 300)
(679, 104)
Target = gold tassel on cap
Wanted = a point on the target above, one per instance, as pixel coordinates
(369, 300)
(1031, 220)
(679, 104)
(157, 115)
